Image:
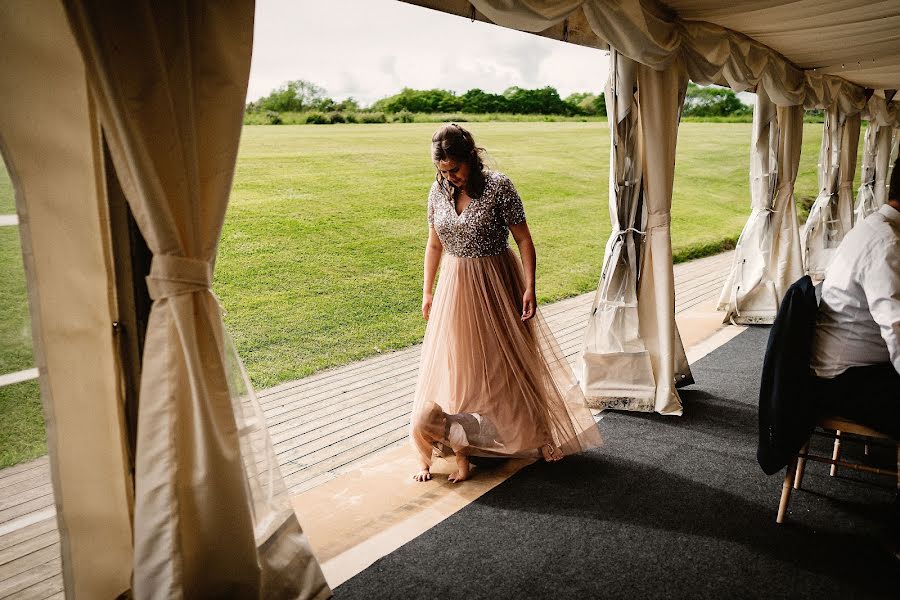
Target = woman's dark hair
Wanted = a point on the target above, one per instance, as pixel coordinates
(453, 142)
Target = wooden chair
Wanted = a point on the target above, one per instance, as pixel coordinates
(793, 477)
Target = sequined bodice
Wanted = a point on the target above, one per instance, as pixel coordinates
(482, 229)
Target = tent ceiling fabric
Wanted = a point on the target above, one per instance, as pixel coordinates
(856, 40)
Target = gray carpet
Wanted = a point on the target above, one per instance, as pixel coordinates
(670, 507)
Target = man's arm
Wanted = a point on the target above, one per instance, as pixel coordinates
(881, 283)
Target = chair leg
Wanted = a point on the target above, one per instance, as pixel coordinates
(836, 455)
(801, 466)
(786, 490)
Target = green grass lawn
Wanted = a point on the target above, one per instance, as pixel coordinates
(7, 197)
(321, 257)
(21, 422)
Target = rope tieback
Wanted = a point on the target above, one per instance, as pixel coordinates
(177, 275)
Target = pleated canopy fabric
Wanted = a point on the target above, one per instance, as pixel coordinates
(615, 368)
(740, 44)
(831, 215)
(767, 257)
(632, 355)
(879, 155)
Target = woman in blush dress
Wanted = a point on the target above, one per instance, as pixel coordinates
(492, 380)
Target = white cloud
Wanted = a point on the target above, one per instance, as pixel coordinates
(369, 49)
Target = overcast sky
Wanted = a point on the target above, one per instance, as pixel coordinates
(369, 49)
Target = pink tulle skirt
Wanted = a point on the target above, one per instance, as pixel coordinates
(489, 384)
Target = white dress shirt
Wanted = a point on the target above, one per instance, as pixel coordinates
(859, 314)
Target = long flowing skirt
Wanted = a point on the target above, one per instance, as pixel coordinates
(490, 384)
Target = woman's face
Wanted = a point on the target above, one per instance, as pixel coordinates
(454, 171)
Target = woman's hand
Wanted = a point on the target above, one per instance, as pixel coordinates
(426, 305)
(528, 304)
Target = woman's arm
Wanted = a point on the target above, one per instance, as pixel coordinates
(433, 251)
(522, 236)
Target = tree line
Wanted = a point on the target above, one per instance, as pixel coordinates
(303, 96)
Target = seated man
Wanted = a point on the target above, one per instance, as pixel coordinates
(856, 349)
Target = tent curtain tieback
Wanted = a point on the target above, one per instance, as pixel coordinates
(177, 275)
(657, 220)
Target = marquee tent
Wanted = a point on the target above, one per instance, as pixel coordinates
(141, 101)
(772, 48)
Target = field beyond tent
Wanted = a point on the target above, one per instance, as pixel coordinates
(321, 257)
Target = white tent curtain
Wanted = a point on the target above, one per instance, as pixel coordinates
(49, 138)
(830, 217)
(632, 355)
(661, 97)
(767, 258)
(876, 144)
(212, 517)
(615, 367)
(878, 150)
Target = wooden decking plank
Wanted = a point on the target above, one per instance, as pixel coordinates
(304, 427)
(35, 475)
(24, 480)
(316, 451)
(347, 416)
(43, 590)
(702, 282)
(711, 293)
(28, 562)
(348, 456)
(303, 404)
(331, 458)
(23, 486)
(26, 507)
(312, 482)
(26, 533)
(13, 583)
(38, 463)
(307, 457)
(29, 493)
(337, 374)
(709, 286)
(324, 408)
(354, 378)
(28, 546)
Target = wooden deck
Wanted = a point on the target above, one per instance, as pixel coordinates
(320, 427)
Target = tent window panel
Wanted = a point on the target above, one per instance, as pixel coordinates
(22, 435)
(15, 323)
(7, 195)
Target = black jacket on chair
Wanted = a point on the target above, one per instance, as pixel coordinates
(786, 409)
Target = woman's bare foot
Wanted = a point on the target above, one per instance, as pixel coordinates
(424, 474)
(551, 453)
(463, 468)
